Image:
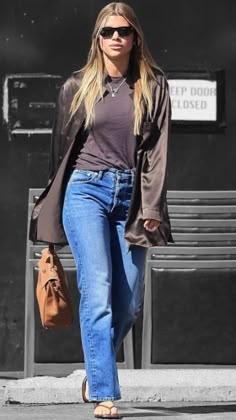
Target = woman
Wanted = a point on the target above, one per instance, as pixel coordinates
(107, 190)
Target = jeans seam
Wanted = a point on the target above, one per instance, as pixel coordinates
(84, 290)
(116, 191)
(91, 347)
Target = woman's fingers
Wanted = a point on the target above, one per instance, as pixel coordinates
(151, 224)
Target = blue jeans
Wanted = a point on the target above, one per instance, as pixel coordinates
(110, 278)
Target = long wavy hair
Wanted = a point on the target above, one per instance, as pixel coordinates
(141, 69)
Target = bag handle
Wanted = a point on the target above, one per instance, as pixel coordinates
(51, 248)
(52, 255)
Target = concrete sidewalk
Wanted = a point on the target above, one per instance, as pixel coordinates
(3, 384)
(139, 411)
(156, 385)
(34, 398)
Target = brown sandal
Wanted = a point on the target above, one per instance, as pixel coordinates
(84, 388)
(106, 416)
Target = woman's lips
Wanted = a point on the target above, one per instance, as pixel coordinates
(116, 46)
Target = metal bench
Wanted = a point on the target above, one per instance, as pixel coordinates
(189, 305)
(203, 218)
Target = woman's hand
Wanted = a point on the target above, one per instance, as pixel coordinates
(151, 224)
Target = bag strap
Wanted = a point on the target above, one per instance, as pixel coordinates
(51, 248)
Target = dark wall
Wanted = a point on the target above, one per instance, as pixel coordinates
(54, 37)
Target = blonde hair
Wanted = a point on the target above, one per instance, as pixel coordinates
(141, 68)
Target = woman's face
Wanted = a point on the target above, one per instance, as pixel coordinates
(117, 46)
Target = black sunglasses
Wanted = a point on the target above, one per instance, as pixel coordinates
(108, 31)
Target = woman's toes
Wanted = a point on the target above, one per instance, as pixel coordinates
(105, 408)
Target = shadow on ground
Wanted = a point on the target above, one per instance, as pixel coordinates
(155, 411)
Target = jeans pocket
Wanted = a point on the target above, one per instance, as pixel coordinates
(82, 176)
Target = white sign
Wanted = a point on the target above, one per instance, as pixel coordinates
(193, 100)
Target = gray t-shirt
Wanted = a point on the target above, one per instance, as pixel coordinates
(110, 142)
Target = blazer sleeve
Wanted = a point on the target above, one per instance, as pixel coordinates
(56, 138)
(154, 176)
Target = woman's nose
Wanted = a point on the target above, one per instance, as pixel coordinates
(115, 35)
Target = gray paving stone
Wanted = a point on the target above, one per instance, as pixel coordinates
(148, 411)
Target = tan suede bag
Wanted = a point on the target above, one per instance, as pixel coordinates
(52, 292)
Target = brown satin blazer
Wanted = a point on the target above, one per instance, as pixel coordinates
(148, 200)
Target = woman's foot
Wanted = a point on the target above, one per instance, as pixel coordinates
(106, 410)
(85, 395)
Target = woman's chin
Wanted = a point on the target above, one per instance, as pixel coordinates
(115, 54)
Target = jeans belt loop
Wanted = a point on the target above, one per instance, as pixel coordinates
(100, 174)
